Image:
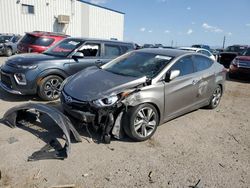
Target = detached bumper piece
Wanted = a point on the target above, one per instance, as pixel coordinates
(31, 113)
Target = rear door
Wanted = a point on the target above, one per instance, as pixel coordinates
(111, 51)
(205, 76)
(181, 92)
(92, 56)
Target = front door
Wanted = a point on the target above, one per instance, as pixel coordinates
(92, 57)
(180, 93)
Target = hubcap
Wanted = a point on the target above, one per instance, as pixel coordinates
(51, 88)
(216, 96)
(145, 122)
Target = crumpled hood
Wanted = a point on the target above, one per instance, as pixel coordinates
(94, 83)
(29, 59)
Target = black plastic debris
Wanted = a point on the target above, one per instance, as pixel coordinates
(32, 112)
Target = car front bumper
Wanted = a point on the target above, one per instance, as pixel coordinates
(8, 83)
(239, 71)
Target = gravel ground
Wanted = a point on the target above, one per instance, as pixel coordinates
(211, 147)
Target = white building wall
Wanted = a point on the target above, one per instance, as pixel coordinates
(105, 23)
(85, 20)
(14, 21)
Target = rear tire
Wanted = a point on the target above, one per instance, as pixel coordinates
(140, 122)
(215, 98)
(48, 88)
(8, 52)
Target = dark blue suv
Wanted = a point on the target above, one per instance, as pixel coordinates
(44, 73)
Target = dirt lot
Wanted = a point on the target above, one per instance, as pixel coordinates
(212, 147)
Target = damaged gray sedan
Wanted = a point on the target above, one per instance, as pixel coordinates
(142, 89)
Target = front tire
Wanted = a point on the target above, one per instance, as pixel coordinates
(216, 97)
(49, 88)
(140, 122)
(8, 52)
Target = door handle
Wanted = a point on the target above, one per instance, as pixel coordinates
(195, 82)
(98, 62)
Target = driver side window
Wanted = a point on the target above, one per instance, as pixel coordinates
(90, 50)
(184, 65)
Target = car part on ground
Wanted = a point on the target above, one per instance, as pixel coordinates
(8, 44)
(27, 74)
(39, 41)
(30, 112)
(124, 93)
(227, 56)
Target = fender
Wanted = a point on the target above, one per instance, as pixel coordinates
(49, 72)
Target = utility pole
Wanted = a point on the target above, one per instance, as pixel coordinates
(224, 40)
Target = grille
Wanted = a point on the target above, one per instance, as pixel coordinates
(244, 64)
(5, 79)
(75, 104)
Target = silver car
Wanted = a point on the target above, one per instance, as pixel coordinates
(142, 89)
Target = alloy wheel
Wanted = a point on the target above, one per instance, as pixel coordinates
(51, 88)
(216, 97)
(145, 122)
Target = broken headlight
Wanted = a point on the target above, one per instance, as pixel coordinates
(109, 101)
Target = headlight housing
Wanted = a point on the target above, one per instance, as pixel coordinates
(109, 101)
(20, 78)
(27, 66)
(235, 62)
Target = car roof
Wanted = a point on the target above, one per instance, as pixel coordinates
(192, 48)
(164, 51)
(45, 33)
(100, 40)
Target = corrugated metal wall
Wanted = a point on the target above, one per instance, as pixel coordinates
(105, 23)
(85, 20)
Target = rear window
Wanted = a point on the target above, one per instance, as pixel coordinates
(4, 38)
(247, 52)
(39, 41)
(239, 49)
(112, 50)
(202, 63)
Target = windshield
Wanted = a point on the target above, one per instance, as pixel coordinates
(4, 38)
(34, 40)
(138, 64)
(64, 48)
(247, 52)
(238, 49)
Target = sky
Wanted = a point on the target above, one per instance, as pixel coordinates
(184, 22)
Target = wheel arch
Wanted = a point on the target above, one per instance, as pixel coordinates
(51, 72)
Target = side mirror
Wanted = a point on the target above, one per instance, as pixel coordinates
(78, 55)
(7, 41)
(172, 75)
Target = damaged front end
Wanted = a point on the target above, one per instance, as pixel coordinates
(102, 114)
(32, 113)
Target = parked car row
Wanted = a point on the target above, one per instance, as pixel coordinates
(43, 73)
(8, 44)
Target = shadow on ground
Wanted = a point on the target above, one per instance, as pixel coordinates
(240, 80)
